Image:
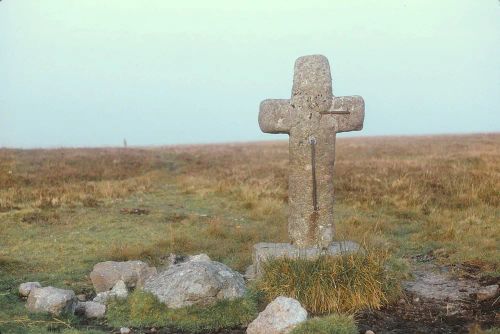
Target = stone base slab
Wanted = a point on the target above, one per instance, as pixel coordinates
(265, 251)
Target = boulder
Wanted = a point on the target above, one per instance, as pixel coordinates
(91, 309)
(53, 300)
(25, 288)
(198, 281)
(119, 291)
(105, 274)
(487, 292)
(280, 317)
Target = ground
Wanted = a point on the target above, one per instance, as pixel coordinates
(425, 199)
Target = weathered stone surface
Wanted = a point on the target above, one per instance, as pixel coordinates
(199, 257)
(263, 252)
(312, 118)
(25, 288)
(81, 297)
(105, 274)
(439, 286)
(488, 292)
(52, 300)
(91, 309)
(250, 273)
(125, 330)
(119, 291)
(280, 317)
(195, 282)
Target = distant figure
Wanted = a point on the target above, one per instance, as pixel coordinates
(124, 143)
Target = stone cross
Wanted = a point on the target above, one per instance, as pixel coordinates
(312, 118)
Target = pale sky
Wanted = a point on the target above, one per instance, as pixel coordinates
(158, 72)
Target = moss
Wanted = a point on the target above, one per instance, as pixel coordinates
(333, 324)
(142, 309)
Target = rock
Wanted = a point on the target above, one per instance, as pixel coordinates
(125, 330)
(279, 317)
(105, 274)
(369, 332)
(487, 292)
(195, 282)
(250, 273)
(81, 297)
(439, 286)
(119, 291)
(25, 288)
(199, 257)
(91, 309)
(53, 300)
(264, 251)
(102, 297)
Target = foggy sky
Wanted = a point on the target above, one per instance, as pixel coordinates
(93, 72)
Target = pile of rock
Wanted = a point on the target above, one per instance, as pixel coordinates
(111, 280)
(185, 281)
(190, 280)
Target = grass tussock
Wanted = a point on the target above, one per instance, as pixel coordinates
(142, 309)
(330, 284)
(332, 324)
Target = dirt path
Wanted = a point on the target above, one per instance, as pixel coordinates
(435, 301)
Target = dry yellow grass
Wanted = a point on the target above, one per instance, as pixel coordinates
(405, 195)
(440, 193)
(51, 178)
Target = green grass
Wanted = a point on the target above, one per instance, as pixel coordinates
(332, 324)
(142, 309)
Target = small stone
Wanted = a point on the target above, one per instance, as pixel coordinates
(281, 316)
(369, 332)
(81, 297)
(91, 309)
(125, 330)
(487, 292)
(52, 300)
(250, 273)
(25, 288)
(102, 297)
(119, 291)
(416, 300)
(105, 274)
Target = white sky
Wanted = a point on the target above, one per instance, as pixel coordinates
(90, 73)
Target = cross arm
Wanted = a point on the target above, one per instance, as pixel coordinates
(349, 113)
(274, 116)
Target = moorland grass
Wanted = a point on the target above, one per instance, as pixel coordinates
(332, 284)
(332, 324)
(407, 195)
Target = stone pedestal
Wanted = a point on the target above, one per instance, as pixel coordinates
(264, 251)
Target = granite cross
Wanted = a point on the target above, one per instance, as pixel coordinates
(312, 118)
